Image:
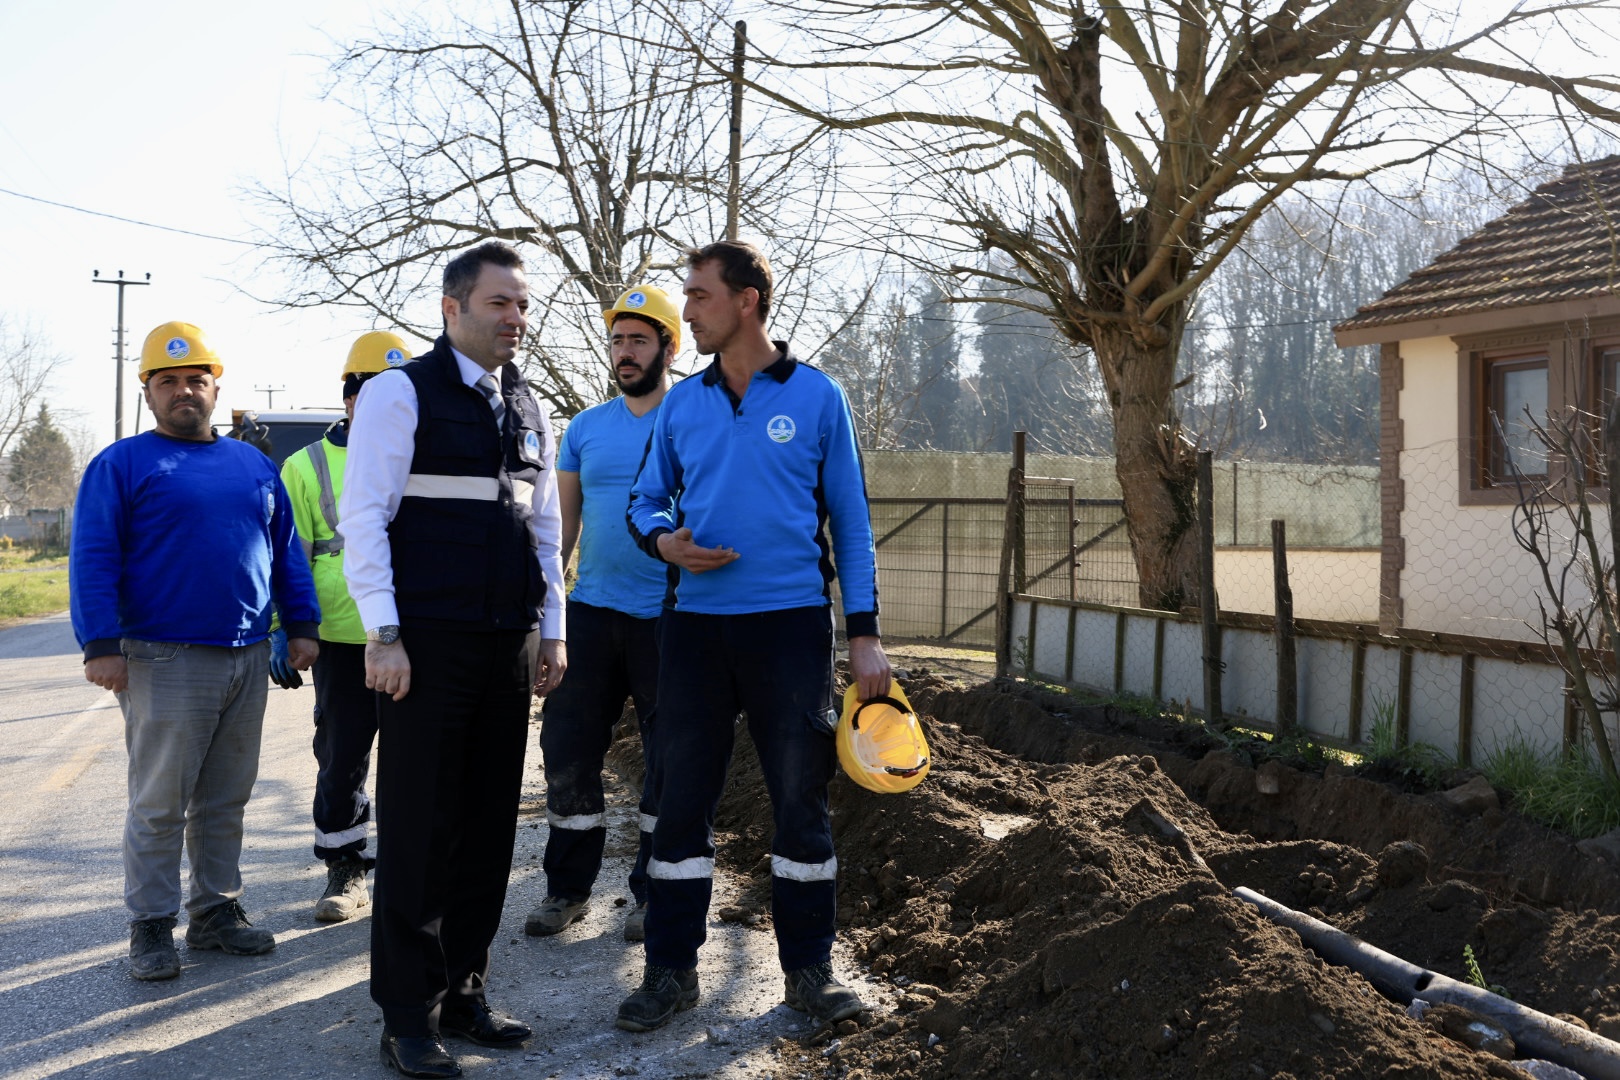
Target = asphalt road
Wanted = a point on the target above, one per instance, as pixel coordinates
(69, 1008)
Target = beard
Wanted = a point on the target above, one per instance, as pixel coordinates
(187, 423)
(648, 382)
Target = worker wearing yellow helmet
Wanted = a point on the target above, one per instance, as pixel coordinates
(612, 615)
(345, 711)
(183, 642)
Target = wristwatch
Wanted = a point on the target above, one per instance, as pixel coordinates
(382, 635)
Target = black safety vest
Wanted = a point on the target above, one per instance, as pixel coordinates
(462, 547)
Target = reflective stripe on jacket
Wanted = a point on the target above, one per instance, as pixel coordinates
(315, 513)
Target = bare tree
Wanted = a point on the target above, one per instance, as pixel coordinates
(1117, 153)
(26, 362)
(1574, 550)
(591, 134)
(896, 360)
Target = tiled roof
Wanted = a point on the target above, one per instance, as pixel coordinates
(1560, 244)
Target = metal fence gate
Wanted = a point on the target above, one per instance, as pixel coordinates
(939, 559)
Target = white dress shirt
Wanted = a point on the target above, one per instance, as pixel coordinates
(382, 442)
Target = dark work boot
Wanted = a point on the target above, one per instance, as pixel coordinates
(225, 927)
(152, 954)
(817, 991)
(663, 993)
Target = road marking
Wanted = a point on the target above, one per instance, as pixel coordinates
(75, 766)
(64, 776)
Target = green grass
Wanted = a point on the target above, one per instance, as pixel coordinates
(32, 582)
(1568, 792)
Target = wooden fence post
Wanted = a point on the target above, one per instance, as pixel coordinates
(1011, 575)
(1287, 667)
(1208, 602)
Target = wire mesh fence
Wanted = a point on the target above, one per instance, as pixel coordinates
(1444, 640)
(1331, 514)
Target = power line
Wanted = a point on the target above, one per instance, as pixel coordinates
(128, 221)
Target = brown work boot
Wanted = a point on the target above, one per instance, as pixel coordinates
(345, 891)
(555, 913)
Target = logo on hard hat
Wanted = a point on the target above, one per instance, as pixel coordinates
(781, 429)
(636, 299)
(177, 348)
(394, 357)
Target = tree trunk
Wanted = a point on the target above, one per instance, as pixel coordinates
(1156, 466)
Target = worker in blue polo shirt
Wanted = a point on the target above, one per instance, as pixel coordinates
(751, 466)
(612, 615)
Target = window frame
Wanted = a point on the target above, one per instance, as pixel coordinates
(1477, 357)
(1493, 453)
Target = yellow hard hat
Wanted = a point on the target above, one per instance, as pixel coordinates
(374, 352)
(177, 344)
(880, 742)
(651, 303)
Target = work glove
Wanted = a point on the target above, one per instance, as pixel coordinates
(282, 673)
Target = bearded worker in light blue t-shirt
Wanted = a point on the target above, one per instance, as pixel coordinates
(612, 616)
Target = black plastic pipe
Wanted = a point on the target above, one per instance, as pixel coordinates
(1536, 1034)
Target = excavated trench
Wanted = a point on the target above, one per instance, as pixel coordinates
(1056, 900)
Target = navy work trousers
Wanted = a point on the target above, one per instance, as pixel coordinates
(776, 666)
(449, 773)
(611, 656)
(345, 727)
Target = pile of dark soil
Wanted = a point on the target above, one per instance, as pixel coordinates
(1054, 901)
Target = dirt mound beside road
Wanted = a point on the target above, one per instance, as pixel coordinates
(1066, 912)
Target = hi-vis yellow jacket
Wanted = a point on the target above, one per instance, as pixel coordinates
(314, 480)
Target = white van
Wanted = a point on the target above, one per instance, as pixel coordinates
(281, 433)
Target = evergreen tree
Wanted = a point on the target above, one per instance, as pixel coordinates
(42, 474)
(1031, 380)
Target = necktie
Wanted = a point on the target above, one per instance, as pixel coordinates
(492, 391)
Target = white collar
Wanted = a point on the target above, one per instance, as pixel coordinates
(471, 371)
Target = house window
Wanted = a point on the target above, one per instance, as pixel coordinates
(1606, 359)
(1515, 390)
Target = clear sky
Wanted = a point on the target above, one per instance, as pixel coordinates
(163, 112)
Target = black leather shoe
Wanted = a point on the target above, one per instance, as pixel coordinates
(421, 1055)
(476, 1023)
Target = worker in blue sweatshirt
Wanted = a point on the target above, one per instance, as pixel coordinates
(181, 542)
(750, 466)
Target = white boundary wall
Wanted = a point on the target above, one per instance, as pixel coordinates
(1157, 655)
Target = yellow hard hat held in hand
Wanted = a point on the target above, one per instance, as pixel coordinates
(880, 742)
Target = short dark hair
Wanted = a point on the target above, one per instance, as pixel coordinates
(742, 266)
(461, 273)
(658, 328)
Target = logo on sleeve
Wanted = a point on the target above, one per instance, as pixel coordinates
(781, 429)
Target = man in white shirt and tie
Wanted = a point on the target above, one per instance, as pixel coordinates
(452, 533)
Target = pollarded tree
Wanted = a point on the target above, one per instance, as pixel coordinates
(1116, 153)
(587, 134)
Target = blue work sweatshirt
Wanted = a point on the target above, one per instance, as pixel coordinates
(184, 541)
(768, 475)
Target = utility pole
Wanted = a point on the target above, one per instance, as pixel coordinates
(269, 393)
(734, 186)
(118, 344)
